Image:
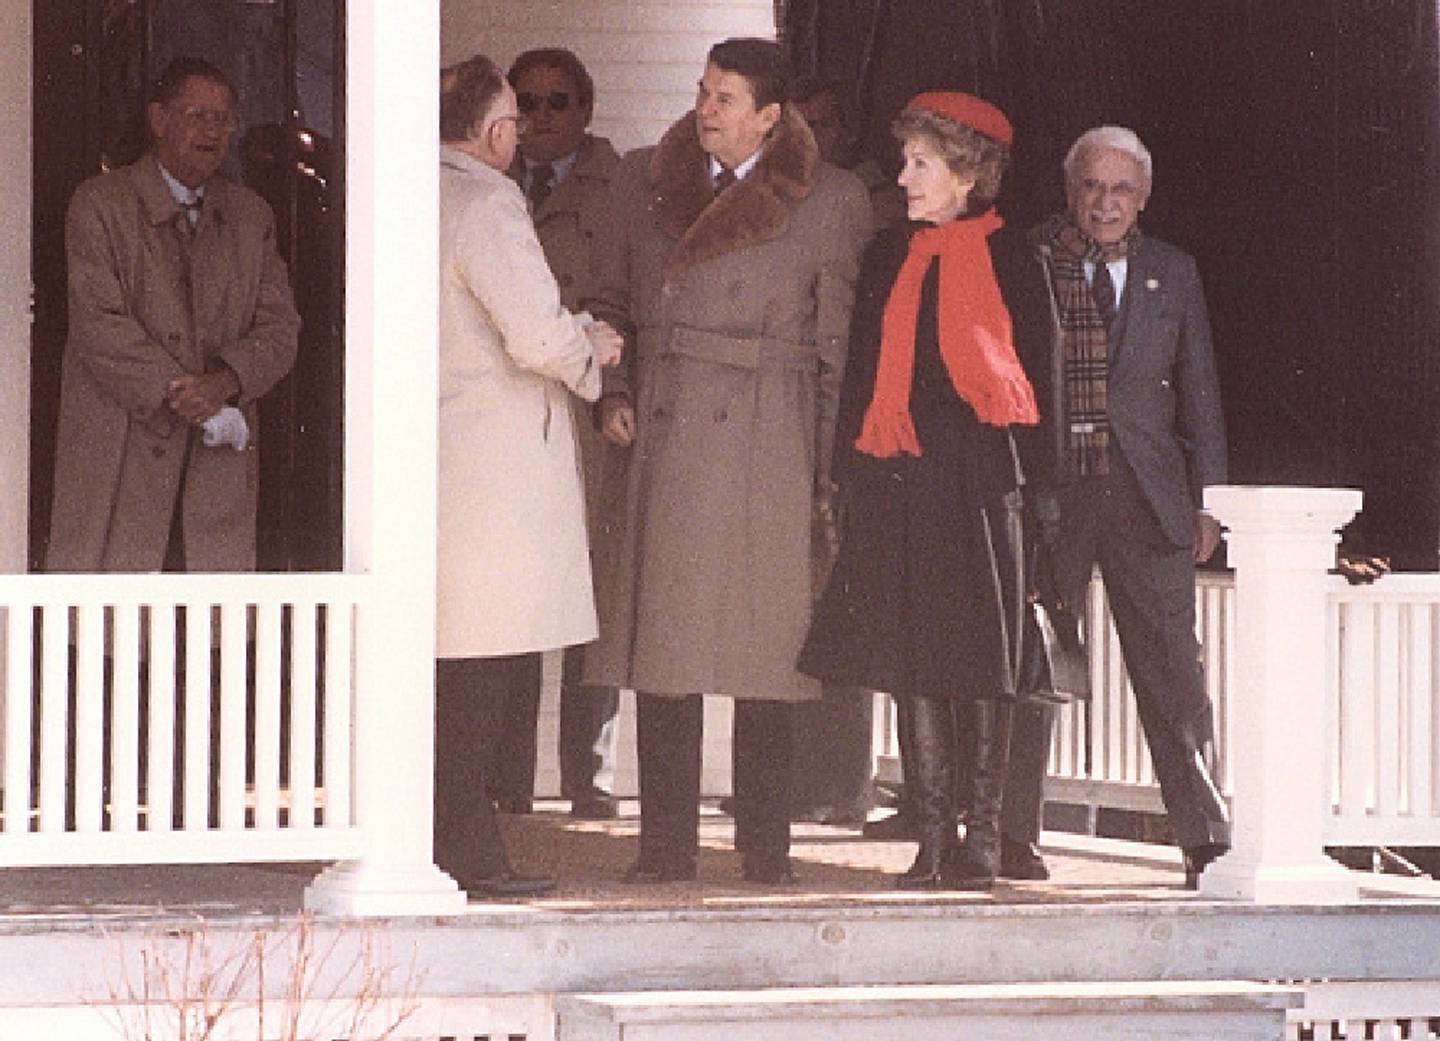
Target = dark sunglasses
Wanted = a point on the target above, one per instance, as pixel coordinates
(556, 101)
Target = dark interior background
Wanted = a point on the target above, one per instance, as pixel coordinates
(1295, 149)
(94, 61)
(1295, 156)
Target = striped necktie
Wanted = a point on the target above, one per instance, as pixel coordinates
(1102, 289)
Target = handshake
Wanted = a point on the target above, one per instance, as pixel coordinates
(606, 344)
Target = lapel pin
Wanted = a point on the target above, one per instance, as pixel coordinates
(1152, 284)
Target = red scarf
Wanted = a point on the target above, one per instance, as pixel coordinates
(976, 343)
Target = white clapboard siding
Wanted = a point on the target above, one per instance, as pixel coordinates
(644, 58)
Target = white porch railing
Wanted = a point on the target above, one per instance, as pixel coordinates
(1350, 673)
(167, 718)
(1382, 721)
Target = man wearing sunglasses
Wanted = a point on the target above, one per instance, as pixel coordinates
(565, 173)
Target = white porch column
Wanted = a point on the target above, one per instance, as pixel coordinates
(390, 332)
(15, 288)
(1281, 544)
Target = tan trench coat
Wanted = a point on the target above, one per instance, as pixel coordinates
(573, 223)
(741, 306)
(148, 304)
(514, 572)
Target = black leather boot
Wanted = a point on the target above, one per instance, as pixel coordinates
(930, 781)
(977, 862)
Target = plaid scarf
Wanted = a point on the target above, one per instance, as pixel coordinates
(1084, 341)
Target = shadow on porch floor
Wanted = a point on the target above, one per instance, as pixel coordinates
(835, 865)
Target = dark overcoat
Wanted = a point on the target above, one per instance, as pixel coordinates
(922, 597)
(573, 224)
(740, 306)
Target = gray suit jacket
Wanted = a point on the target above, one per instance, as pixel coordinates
(1164, 397)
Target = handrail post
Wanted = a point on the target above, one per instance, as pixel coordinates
(1281, 544)
(391, 321)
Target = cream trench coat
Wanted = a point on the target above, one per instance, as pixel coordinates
(514, 570)
(147, 304)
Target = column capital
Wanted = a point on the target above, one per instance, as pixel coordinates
(1270, 508)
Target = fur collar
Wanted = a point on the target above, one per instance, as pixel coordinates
(756, 209)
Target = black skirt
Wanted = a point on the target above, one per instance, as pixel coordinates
(917, 601)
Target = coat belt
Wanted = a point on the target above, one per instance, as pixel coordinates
(741, 353)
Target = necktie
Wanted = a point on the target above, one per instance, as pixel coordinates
(542, 180)
(1103, 291)
(724, 179)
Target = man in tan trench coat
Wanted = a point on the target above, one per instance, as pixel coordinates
(735, 268)
(181, 317)
(566, 173)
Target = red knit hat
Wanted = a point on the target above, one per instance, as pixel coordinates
(967, 110)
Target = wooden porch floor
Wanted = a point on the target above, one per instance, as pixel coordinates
(836, 868)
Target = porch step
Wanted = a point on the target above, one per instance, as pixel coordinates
(1168, 1010)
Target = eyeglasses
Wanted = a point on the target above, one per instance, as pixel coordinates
(555, 101)
(521, 123)
(205, 117)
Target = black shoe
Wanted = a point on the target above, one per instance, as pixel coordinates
(975, 865)
(814, 813)
(595, 806)
(650, 872)
(514, 804)
(1021, 860)
(768, 871)
(1198, 859)
(505, 883)
(847, 815)
(898, 827)
(928, 869)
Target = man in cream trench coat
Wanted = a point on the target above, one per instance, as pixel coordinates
(513, 567)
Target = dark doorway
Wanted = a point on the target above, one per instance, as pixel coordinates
(94, 61)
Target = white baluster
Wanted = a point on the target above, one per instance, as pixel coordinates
(89, 717)
(267, 714)
(1357, 687)
(160, 769)
(125, 720)
(19, 674)
(233, 743)
(197, 717)
(302, 716)
(54, 715)
(1421, 706)
(339, 711)
(1385, 753)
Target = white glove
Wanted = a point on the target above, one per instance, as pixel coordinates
(227, 427)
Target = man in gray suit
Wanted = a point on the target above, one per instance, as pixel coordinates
(1131, 434)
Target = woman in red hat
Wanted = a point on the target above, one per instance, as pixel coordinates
(921, 601)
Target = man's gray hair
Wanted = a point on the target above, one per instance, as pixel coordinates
(1121, 139)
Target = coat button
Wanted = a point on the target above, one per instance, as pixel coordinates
(657, 413)
(720, 415)
(157, 451)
